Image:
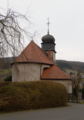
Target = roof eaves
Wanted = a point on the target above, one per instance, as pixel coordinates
(32, 62)
(55, 79)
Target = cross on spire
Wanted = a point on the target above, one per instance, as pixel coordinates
(48, 25)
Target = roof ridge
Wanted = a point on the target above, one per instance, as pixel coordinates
(32, 48)
(43, 52)
(37, 52)
(62, 71)
(33, 53)
(23, 52)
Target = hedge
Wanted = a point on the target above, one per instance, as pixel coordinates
(31, 95)
(8, 78)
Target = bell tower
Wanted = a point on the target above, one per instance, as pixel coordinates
(48, 44)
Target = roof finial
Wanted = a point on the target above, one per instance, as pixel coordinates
(48, 25)
(32, 38)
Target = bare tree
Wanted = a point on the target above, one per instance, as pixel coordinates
(76, 83)
(11, 33)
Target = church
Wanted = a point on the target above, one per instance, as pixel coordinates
(35, 63)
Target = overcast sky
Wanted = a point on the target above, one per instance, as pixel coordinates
(66, 24)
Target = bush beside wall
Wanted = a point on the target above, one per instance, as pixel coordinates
(31, 95)
(8, 78)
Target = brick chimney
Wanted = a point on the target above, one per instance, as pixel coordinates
(51, 55)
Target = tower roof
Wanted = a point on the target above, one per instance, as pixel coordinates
(48, 38)
(33, 53)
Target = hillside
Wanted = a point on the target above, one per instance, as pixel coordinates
(5, 62)
(63, 64)
(71, 65)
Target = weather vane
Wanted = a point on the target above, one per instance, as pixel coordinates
(48, 25)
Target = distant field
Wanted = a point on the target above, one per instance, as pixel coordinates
(4, 73)
(71, 65)
(68, 72)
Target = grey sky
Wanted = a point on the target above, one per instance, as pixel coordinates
(67, 23)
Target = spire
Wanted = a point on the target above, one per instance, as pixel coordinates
(48, 25)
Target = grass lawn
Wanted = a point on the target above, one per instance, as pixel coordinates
(68, 72)
(4, 73)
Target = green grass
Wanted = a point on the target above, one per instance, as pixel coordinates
(68, 72)
(82, 79)
(4, 73)
(81, 102)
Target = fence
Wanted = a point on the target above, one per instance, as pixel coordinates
(76, 97)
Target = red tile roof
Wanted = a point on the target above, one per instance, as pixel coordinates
(55, 73)
(33, 53)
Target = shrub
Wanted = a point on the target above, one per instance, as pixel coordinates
(82, 90)
(31, 95)
(8, 78)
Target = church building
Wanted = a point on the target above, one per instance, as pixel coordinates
(36, 63)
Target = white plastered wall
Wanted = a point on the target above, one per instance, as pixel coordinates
(53, 55)
(25, 72)
(44, 66)
(67, 84)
